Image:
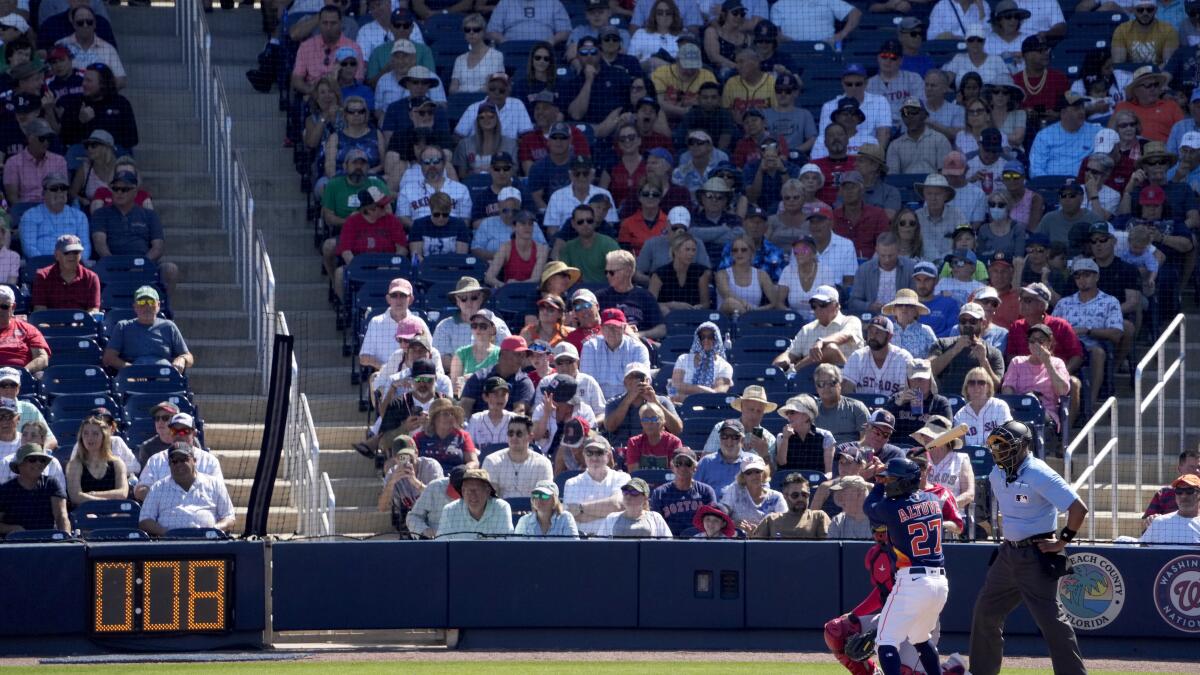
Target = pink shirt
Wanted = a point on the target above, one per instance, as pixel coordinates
(314, 59)
(26, 173)
(1028, 377)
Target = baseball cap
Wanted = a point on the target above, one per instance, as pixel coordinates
(824, 293)
(912, 102)
(1102, 227)
(494, 383)
(54, 180)
(636, 367)
(514, 343)
(1084, 265)
(953, 164)
(400, 285)
(162, 405)
(344, 53)
(679, 215)
(689, 56)
(401, 15)
(24, 103)
(564, 348)
(663, 154)
(8, 374)
(1037, 239)
(882, 418)
(583, 294)
(819, 212)
(1186, 480)
(404, 46)
(575, 432)
(423, 367)
(68, 243)
(1034, 43)
(854, 69)
(852, 177)
(57, 53)
(417, 102)
(919, 369)
(754, 463)
(1070, 99)
(182, 420)
(8, 405)
(785, 82)
(1040, 328)
(181, 448)
(765, 30)
(1105, 141)
(990, 139)
(613, 317)
(911, 23)
(146, 292)
(685, 453)
(971, 309)
(1152, 194)
(1072, 185)
(926, 268)
(754, 211)
(547, 488)
(582, 162)
(1037, 290)
(735, 426)
(563, 388)
(1000, 258)
(509, 193)
(882, 323)
(1191, 139)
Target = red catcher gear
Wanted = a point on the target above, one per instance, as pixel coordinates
(837, 631)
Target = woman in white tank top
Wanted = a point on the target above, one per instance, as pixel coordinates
(734, 297)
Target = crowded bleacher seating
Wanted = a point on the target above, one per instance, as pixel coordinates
(634, 268)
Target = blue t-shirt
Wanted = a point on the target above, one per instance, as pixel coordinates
(942, 316)
(155, 344)
(713, 470)
(436, 240)
(914, 525)
(547, 176)
(640, 307)
(520, 390)
(128, 234)
(677, 506)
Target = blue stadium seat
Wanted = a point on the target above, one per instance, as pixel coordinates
(76, 406)
(119, 294)
(66, 323)
(449, 267)
(37, 536)
(687, 320)
(653, 477)
(872, 401)
(138, 406)
(131, 269)
(956, 401)
(106, 514)
(32, 265)
(211, 533)
(814, 478)
(674, 344)
(786, 321)
(116, 534)
(707, 402)
(65, 351)
(757, 352)
(981, 460)
(75, 379)
(66, 431)
(694, 436)
(31, 387)
(561, 480)
(116, 315)
(513, 301)
(520, 506)
(150, 379)
(485, 450)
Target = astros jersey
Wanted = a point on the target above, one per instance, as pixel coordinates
(914, 526)
(871, 379)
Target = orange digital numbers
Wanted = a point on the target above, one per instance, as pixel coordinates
(160, 596)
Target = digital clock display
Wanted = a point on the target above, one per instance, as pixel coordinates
(161, 596)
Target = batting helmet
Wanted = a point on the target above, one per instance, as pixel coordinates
(907, 475)
(861, 647)
(1008, 443)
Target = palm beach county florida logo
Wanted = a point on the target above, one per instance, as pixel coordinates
(1177, 593)
(1094, 594)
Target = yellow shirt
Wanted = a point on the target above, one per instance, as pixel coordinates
(740, 96)
(1145, 45)
(671, 87)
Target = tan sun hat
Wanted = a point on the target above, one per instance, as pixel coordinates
(905, 297)
(753, 392)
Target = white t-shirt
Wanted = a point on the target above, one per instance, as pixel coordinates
(517, 480)
(412, 200)
(961, 291)
(514, 119)
(876, 108)
(484, 432)
(1172, 529)
(839, 257)
(582, 489)
(993, 69)
(687, 363)
(797, 298)
(948, 16)
(869, 378)
(563, 202)
(809, 20)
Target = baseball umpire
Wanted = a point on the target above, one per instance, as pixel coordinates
(1029, 562)
(914, 525)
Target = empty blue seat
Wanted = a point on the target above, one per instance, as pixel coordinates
(106, 514)
(116, 534)
(139, 406)
(513, 301)
(519, 506)
(150, 379)
(129, 269)
(653, 477)
(37, 536)
(561, 480)
(66, 351)
(77, 406)
(66, 323)
(67, 432)
(814, 478)
(62, 380)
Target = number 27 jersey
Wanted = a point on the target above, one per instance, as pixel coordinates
(914, 525)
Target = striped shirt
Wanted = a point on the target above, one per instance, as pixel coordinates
(608, 365)
(204, 504)
(426, 513)
(458, 523)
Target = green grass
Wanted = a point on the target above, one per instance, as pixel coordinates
(492, 668)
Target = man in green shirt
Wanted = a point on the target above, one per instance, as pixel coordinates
(586, 252)
(340, 198)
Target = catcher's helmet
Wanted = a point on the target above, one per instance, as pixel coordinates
(1007, 444)
(907, 475)
(861, 646)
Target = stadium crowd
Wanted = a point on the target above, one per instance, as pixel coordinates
(716, 255)
(689, 267)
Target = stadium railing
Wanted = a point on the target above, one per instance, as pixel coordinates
(312, 491)
(1110, 451)
(1164, 372)
(252, 266)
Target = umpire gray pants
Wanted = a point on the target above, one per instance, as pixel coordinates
(1015, 576)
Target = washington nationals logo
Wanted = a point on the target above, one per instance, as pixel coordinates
(1177, 593)
(1093, 595)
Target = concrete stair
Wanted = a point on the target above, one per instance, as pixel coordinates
(301, 288)
(207, 302)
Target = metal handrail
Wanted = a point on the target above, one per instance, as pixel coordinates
(1157, 394)
(251, 264)
(1088, 434)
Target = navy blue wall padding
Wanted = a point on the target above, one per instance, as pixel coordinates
(666, 594)
(787, 581)
(51, 598)
(249, 610)
(588, 585)
(369, 585)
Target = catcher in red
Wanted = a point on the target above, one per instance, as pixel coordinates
(845, 635)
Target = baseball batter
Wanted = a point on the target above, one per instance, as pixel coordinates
(914, 525)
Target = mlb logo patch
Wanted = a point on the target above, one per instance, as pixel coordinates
(1022, 499)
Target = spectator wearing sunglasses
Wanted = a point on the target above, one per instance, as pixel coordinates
(548, 519)
(42, 225)
(186, 498)
(25, 170)
(679, 500)
(315, 57)
(183, 430)
(387, 25)
(55, 22)
(517, 469)
(163, 437)
(1144, 38)
(798, 521)
(87, 48)
(32, 500)
(147, 339)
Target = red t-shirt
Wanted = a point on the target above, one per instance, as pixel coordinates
(1156, 119)
(1066, 343)
(52, 292)
(18, 341)
(382, 236)
(862, 232)
(1009, 309)
(639, 447)
(531, 146)
(579, 335)
(634, 233)
(833, 170)
(1055, 85)
(105, 195)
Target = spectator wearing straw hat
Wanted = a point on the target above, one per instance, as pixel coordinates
(478, 513)
(937, 216)
(910, 334)
(455, 331)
